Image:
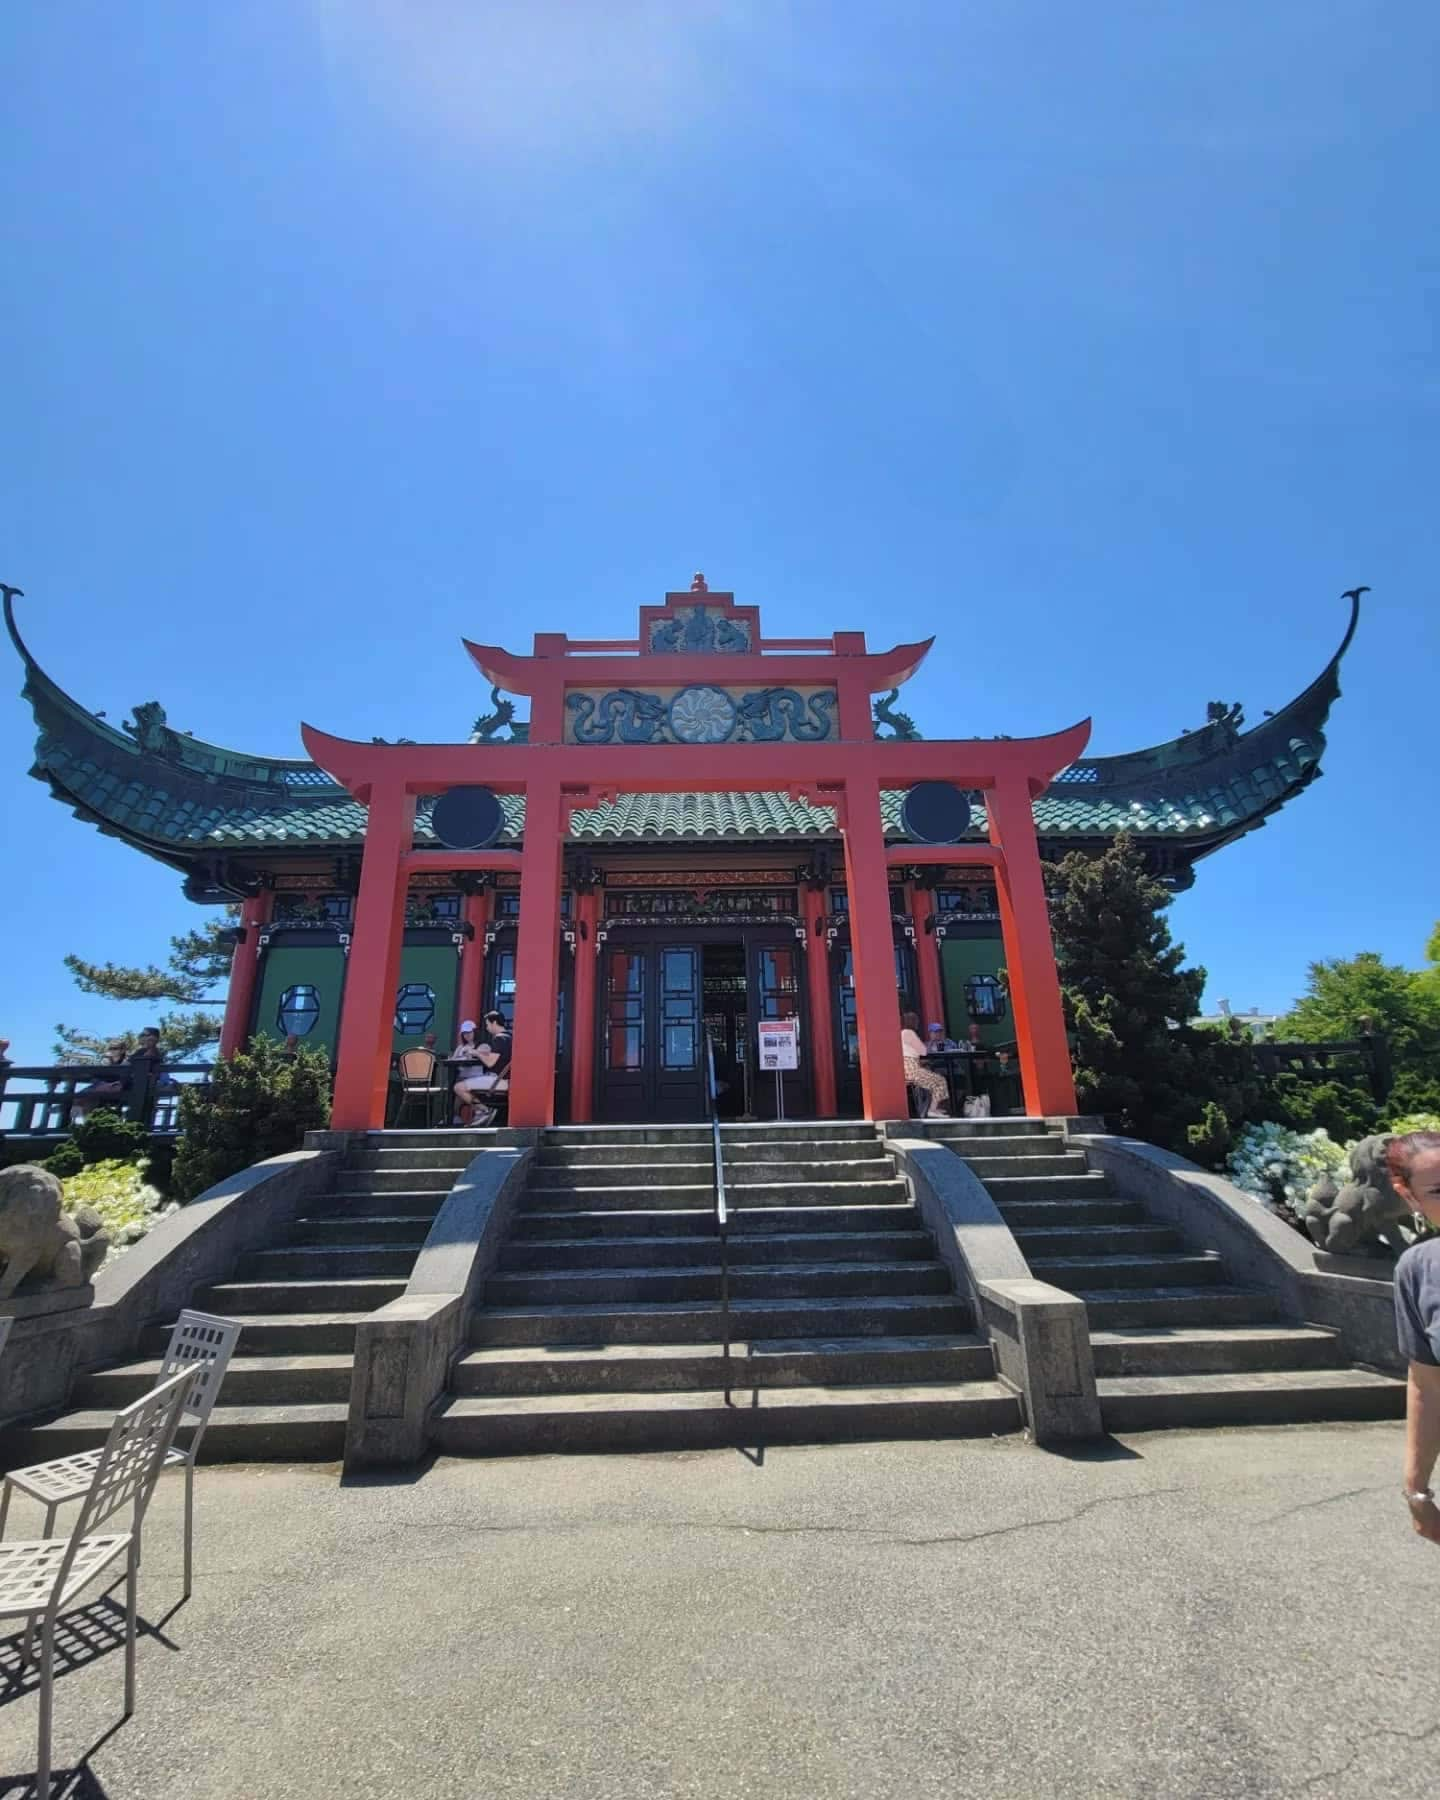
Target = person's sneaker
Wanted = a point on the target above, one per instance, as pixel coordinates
(484, 1115)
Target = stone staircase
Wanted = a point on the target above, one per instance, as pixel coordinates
(286, 1393)
(1176, 1342)
(601, 1328)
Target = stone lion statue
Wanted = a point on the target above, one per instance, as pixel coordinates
(39, 1239)
(1360, 1217)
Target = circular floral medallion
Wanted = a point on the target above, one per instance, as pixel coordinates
(702, 715)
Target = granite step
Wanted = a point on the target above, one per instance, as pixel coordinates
(334, 1230)
(472, 1425)
(797, 1281)
(350, 1203)
(1253, 1397)
(1009, 1190)
(280, 1334)
(744, 1151)
(359, 1295)
(597, 1252)
(309, 1433)
(1096, 1240)
(1022, 1215)
(1112, 1308)
(326, 1262)
(699, 1223)
(1118, 1271)
(301, 1380)
(1204, 1350)
(689, 1322)
(999, 1168)
(663, 1368)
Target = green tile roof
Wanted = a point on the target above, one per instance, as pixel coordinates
(1197, 791)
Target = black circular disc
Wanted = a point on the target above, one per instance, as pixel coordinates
(467, 818)
(935, 812)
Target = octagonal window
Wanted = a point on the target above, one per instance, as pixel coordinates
(299, 1010)
(414, 1008)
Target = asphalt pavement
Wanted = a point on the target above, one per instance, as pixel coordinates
(1196, 1614)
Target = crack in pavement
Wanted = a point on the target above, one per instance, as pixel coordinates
(1327, 1500)
(1381, 1731)
(875, 1533)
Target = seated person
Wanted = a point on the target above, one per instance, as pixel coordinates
(494, 1058)
(936, 1040)
(101, 1093)
(466, 1051)
(912, 1048)
(149, 1058)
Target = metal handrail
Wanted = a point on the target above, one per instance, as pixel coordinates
(722, 1210)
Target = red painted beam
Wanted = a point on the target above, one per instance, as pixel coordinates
(580, 769)
(536, 675)
(244, 967)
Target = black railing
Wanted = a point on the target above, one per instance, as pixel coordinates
(45, 1106)
(722, 1209)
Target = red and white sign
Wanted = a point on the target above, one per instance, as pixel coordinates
(779, 1044)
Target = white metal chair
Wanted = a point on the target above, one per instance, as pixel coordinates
(41, 1578)
(199, 1342)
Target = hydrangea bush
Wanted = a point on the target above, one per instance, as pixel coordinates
(128, 1206)
(1278, 1167)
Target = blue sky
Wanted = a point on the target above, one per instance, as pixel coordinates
(1098, 341)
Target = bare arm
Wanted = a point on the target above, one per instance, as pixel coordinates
(1422, 1444)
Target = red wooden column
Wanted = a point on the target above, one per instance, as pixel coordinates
(1030, 953)
(537, 950)
(372, 974)
(472, 957)
(872, 952)
(244, 966)
(920, 904)
(582, 1042)
(821, 1048)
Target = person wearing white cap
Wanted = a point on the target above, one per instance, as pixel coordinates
(465, 1051)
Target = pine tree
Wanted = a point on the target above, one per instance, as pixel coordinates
(1128, 1000)
(197, 965)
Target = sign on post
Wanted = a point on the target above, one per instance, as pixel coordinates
(779, 1044)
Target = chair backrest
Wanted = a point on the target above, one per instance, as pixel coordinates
(201, 1342)
(6, 1321)
(131, 1461)
(418, 1066)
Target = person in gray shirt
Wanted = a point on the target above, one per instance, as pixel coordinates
(1414, 1165)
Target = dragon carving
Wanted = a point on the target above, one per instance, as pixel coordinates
(487, 728)
(150, 731)
(696, 631)
(770, 714)
(901, 725)
(640, 718)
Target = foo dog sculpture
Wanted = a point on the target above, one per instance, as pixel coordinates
(1361, 1217)
(38, 1238)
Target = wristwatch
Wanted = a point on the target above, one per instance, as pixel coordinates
(1418, 1496)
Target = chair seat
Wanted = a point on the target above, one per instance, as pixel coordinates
(68, 1477)
(28, 1569)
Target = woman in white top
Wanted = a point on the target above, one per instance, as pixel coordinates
(912, 1048)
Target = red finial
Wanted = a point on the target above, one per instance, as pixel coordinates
(699, 585)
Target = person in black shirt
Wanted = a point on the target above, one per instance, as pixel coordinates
(495, 1060)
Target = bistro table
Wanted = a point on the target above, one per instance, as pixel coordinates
(969, 1074)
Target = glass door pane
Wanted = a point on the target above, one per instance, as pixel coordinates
(625, 1010)
(679, 1009)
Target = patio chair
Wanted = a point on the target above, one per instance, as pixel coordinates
(42, 1578)
(419, 1085)
(199, 1343)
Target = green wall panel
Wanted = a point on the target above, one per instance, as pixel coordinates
(322, 966)
(437, 967)
(960, 958)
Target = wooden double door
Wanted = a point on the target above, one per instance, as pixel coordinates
(661, 995)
